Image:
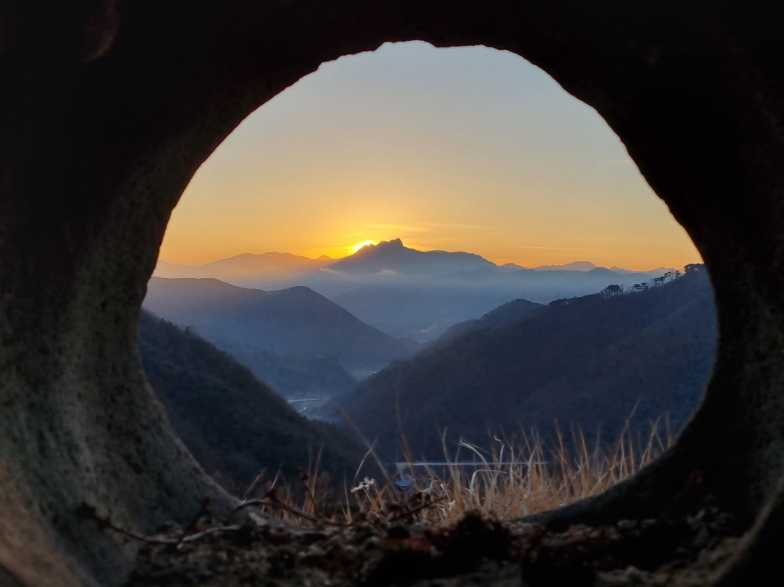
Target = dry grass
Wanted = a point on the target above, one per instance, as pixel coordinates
(505, 481)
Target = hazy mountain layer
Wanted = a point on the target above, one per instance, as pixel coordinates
(418, 294)
(421, 312)
(590, 362)
(248, 267)
(233, 424)
(254, 325)
(573, 266)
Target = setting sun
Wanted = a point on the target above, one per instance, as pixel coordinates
(361, 245)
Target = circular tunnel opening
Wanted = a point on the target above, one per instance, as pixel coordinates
(696, 108)
(443, 256)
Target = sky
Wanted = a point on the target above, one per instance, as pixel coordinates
(467, 149)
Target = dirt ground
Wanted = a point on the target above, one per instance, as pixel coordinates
(258, 551)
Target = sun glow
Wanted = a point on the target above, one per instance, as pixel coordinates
(361, 245)
(386, 159)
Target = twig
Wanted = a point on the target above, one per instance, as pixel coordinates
(139, 537)
(252, 487)
(105, 522)
(249, 503)
(272, 499)
(191, 527)
(417, 509)
(172, 541)
(209, 531)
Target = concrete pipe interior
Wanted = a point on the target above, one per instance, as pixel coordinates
(112, 106)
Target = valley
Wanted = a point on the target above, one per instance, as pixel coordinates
(421, 342)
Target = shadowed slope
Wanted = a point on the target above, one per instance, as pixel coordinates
(589, 362)
(233, 424)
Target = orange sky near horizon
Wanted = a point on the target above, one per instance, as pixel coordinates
(466, 149)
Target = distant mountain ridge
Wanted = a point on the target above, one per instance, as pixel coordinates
(408, 293)
(391, 255)
(269, 262)
(573, 266)
(590, 361)
(248, 266)
(395, 257)
(420, 294)
(252, 324)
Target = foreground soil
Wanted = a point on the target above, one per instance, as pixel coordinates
(256, 551)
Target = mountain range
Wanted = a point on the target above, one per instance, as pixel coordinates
(248, 268)
(234, 424)
(420, 294)
(414, 294)
(600, 360)
(486, 358)
(394, 258)
(282, 336)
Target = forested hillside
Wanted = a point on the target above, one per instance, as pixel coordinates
(234, 424)
(589, 362)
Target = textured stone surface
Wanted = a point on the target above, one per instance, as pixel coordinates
(109, 107)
